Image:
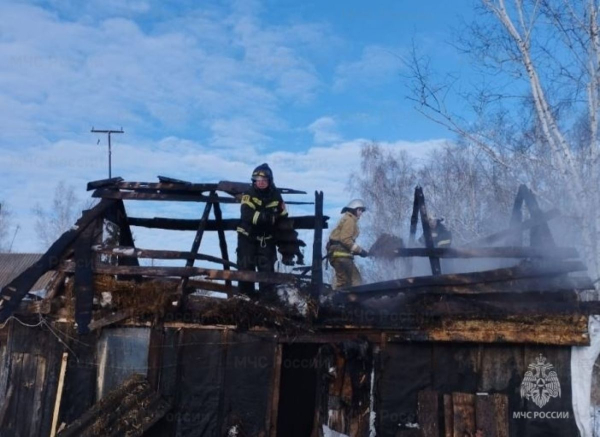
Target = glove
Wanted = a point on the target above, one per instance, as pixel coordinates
(363, 253)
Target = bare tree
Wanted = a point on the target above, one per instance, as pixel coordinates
(542, 55)
(5, 228)
(64, 211)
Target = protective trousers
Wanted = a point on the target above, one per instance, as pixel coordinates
(346, 273)
(253, 254)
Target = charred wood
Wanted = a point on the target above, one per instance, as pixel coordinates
(301, 222)
(527, 285)
(234, 275)
(13, 293)
(521, 271)
(131, 252)
(489, 252)
(103, 183)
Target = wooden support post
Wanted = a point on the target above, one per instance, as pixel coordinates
(317, 264)
(222, 241)
(59, 392)
(540, 235)
(196, 245)
(516, 219)
(84, 280)
(414, 220)
(125, 235)
(434, 261)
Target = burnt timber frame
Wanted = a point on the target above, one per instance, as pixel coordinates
(77, 252)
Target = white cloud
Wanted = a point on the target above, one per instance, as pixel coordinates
(324, 130)
(376, 66)
(189, 73)
(34, 174)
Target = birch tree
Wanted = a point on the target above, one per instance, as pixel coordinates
(541, 55)
(62, 214)
(5, 228)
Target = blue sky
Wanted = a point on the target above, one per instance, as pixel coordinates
(206, 91)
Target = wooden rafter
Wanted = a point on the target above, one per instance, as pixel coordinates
(12, 294)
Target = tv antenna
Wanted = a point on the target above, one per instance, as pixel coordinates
(109, 132)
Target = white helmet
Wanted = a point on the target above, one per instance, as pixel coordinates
(355, 204)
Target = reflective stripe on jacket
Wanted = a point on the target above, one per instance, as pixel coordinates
(260, 213)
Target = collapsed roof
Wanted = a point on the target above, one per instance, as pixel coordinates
(536, 300)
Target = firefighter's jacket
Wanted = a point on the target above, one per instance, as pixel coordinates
(260, 212)
(440, 236)
(342, 240)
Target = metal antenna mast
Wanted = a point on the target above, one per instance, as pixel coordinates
(109, 132)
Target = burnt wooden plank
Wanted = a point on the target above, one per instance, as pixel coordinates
(16, 377)
(501, 415)
(485, 417)
(491, 415)
(507, 233)
(234, 275)
(516, 218)
(158, 196)
(273, 407)
(522, 271)
(317, 264)
(540, 234)
(116, 317)
(103, 183)
(84, 280)
(489, 252)
(166, 185)
(563, 285)
(448, 416)
(565, 331)
(131, 252)
(6, 400)
(128, 410)
(414, 220)
(125, 235)
(428, 413)
(433, 260)
(80, 387)
(27, 390)
(500, 364)
(37, 406)
(235, 188)
(463, 408)
(197, 241)
(12, 294)
(168, 180)
(222, 241)
(299, 222)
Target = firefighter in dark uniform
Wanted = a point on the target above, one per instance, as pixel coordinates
(440, 235)
(262, 207)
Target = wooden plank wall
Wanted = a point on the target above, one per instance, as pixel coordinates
(455, 390)
(30, 378)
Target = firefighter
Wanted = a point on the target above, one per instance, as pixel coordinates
(440, 235)
(262, 207)
(342, 246)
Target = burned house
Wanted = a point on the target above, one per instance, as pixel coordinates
(121, 348)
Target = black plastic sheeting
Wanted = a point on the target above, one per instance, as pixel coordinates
(406, 369)
(225, 382)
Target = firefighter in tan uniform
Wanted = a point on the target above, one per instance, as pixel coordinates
(342, 246)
